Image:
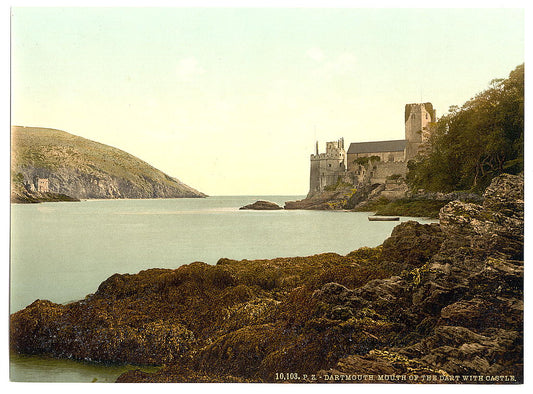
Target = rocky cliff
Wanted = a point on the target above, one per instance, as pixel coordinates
(434, 303)
(83, 169)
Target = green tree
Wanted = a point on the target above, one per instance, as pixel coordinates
(476, 142)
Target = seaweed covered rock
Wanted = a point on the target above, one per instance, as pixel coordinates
(460, 351)
(162, 316)
(463, 309)
(437, 300)
(412, 243)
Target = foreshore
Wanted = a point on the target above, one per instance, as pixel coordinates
(433, 300)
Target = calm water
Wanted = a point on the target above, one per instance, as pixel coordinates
(63, 251)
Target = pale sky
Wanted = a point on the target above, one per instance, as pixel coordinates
(232, 100)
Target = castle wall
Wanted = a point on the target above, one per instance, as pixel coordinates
(325, 171)
(394, 189)
(379, 171)
(376, 172)
(384, 157)
(314, 184)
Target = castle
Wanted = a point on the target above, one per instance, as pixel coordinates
(40, 185)
(376, 161)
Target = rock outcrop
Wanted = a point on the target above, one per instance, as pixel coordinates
(262, 206)
(412, 243)
(328, 200)
(21, 195)
(337, 198)
(434, 303)
(466, 303)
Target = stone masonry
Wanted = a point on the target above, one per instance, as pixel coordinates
(373, 162)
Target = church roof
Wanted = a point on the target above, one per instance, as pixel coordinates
(377, 146)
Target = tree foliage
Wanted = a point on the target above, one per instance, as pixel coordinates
(364, 160)
(472, 144)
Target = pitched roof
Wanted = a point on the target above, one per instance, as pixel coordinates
(377, 146)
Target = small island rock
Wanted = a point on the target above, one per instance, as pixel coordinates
(262, 206)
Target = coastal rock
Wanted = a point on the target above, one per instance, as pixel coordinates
(452, 304)
(262, 206)
(461, 351)
(176, 373)
(363, 367)
(505, 195)
(412, 243)
(328, 200)
(453, 196)
(21, 195)
(338, 197)
(463, 310)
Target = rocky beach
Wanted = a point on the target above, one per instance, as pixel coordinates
(434, 303)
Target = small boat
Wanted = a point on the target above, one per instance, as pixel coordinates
(383, 218)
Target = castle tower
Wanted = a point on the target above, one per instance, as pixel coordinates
(326, 168)
(42, 185)
(418, 121)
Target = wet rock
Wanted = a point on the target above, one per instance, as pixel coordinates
(262, 206)
(362, 365)
(328, 200)
(463, 309)
(436, 300)
(458, 350)
(176, 373)
(482, 313)
(412, 243)
(337, 198)
(505, 195)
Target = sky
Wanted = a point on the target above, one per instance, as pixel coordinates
(231, 100)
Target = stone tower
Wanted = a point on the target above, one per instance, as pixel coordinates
(326, 168)
(418, 122)
(42, 185)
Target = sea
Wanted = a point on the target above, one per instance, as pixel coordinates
(62, 251)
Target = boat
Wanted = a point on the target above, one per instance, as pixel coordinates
(383, 218)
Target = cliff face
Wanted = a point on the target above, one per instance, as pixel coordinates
(434, 300)
(84, 169)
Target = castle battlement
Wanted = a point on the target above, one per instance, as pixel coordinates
(327, 156)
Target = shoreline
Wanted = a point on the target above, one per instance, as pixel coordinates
(327, 314)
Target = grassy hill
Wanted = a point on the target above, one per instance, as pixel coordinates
(81, 168)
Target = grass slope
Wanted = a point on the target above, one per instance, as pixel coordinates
(51, 149)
